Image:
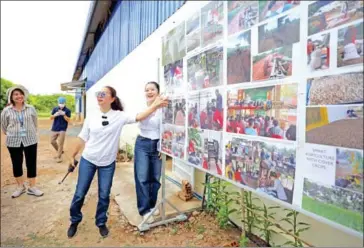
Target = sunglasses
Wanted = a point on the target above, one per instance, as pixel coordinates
(101, 94)
(104, 122)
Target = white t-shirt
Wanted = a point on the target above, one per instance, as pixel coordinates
(149, 127)
(102, 142)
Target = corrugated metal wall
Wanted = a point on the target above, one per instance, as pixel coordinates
(130, 24)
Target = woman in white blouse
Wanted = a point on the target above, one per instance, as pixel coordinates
(147, 162)
(100, 135)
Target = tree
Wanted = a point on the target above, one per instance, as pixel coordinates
(5, 85)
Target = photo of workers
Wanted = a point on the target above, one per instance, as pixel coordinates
(350, 48)
(266, 167)
(266, 111)
(167, 113)
(167, 139)
(193, 32)
(205, 69)
(178, 142)
(173, 77)
(174, 45)
(206, 110)
(283, 31)
(179, 111)
(349, 169)
(239, 58)
(268, 9)
(195, 145)
(335, 89)
(274, 64)
(212, 22)
(241, 15)
(324, 15)
(340, 126)
(318, 52)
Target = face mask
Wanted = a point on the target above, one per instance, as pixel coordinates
(61, 105)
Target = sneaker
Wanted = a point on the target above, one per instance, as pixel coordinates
(104, 231)
(18, 192)
(34, 191)
(150, 219)
(156, 212)
(72, 230)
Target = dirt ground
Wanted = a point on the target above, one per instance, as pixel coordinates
(342, 133)
(32, 221)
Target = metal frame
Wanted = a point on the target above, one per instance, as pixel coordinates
(144, 226)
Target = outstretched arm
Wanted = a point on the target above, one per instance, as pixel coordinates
(158, 103)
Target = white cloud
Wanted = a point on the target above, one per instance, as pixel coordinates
(40, 42)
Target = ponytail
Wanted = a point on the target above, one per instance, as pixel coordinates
(116, 104)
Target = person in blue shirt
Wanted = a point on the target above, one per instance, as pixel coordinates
(61, 116)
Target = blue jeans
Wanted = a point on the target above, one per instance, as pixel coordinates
(86, 174)
(147, 173)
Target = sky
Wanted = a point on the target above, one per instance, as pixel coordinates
(40, 42)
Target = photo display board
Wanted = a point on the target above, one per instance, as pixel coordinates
(268, 95)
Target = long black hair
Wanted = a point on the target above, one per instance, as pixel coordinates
(155, 83)
(116, 104)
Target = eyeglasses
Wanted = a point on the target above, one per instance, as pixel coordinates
(101, 94)
(104, 123)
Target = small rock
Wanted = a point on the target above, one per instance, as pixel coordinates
(199, 237)
(135, 229)
(192, 219)
(195, 213)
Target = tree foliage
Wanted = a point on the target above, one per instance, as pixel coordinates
(42, 103)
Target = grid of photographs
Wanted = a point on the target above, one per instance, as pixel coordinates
(247, 102)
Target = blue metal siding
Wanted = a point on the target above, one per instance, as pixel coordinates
(124, 29)
(131, 23)
(134, 24)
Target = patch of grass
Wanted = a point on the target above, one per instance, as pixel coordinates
(201, 229)
(345, 217)
(44, 115)
(174, 230)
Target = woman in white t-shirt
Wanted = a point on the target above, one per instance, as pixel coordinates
(147, 162)
(100, 136)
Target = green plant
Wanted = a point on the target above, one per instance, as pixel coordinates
(224, 201)
(174, 230)
(201, 229)
(129, 151)
(250, 217)
(212, 192)
(296, 227)
(266, 222)
(243, 241)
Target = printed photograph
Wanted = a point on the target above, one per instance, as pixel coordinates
(212, 22)
(340, 126)
(167, 113)
(179, 111)
(339, 205)
(193, 32)
(173, 77)
(318, 52)
(178, 142)
(195, 148)
(174, 45)
(350, 45)
(167, 139)
(206, 69)
(335, 89)
(324, 15)
(268, 9)
(349, 169)
(268, 168)
(278, 33)
(274, 64)
(266, 111)
(212, 157)
(241, 15)
(239, 58)
(206, 110)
